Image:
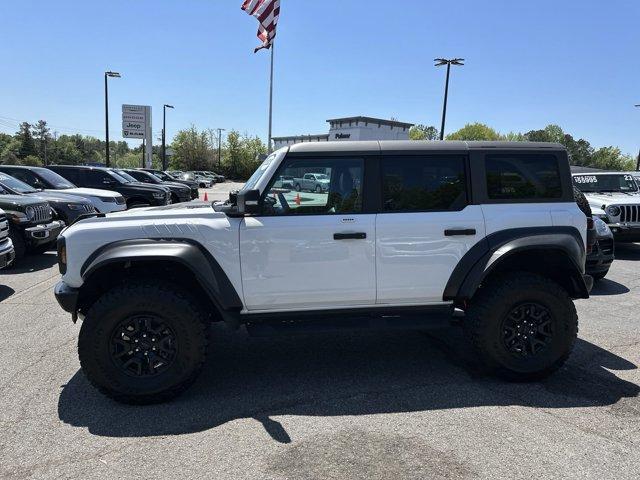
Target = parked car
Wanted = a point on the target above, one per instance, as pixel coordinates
(135, 194)
(179, 193)
(165, 177)
(66, 207)
(203, 182)
(312, 182)
(31, 224)
(104, 201)
(208, 173)
(613, 198)
(602, 254)
(284, 181)
(407, 235)
(7, 252)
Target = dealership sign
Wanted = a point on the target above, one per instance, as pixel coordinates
(135, 120)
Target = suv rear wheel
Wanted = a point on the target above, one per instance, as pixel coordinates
(143, 343)
(522, 326)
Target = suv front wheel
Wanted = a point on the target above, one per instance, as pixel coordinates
(143, 343)
(522, 326)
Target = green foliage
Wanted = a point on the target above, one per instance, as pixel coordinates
(422, 132)
(32, 161)
(611, 158)
(475, 131)
(27, 144)
(192, 150)
(241, 155)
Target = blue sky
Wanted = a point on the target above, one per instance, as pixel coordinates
(574, 63)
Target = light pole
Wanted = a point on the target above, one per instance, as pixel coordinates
(164, 127)
(106, 109)
(220, 130)
(638, 161)
(448, 63)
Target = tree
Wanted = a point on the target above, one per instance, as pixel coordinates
(191, 150)
(241, 155)
(422, 132)
(474, 131)
(42, 133)
(611, 158)
(27, 144)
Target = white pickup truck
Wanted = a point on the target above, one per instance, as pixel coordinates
(404, 235)
(312, 182)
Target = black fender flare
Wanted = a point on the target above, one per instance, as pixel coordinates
(186, 252)
(499, 247)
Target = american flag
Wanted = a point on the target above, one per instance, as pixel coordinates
(267, 13)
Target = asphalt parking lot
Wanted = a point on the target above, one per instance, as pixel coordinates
(341, 406)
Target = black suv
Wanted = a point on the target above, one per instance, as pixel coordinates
(179, 193)
(31, 223)
(136, 194)
(165, 177)
(66, 207)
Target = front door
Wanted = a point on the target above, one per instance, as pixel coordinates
(310, 249)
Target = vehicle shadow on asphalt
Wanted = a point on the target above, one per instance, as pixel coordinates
(5, 292)
(608, 287)
(32, 263)
(627, 251)
(342, 374)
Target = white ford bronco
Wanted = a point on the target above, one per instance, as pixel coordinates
(407, 235)
(613, 197)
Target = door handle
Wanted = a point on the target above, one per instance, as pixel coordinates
(451, 232)
(350, 236)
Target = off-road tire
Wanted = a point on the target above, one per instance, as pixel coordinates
(19, 245)
(177, 308)
(490, 307)
(318, 189)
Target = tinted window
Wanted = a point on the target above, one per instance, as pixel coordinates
(423, 183)
(97, 178)
(337, 188)
(52, 179)
(523, 177)
(25, 176)
(71, 174)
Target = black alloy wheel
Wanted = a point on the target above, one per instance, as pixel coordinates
(527, 329)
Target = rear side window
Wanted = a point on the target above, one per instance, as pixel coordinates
(423, 183)
(68, 173)
(523, 177)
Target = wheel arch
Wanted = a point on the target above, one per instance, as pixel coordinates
(182, 261)
(557, 253)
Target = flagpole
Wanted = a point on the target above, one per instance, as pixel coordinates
(269, 145)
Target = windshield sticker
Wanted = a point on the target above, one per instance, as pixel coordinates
(587, 179)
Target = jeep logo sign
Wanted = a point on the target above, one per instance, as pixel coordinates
(342, 136)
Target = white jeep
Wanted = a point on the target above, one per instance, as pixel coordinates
(406, 234)
(614, 197)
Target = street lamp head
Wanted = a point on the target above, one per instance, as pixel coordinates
(168, 106)
(112, 74)
(446, 61)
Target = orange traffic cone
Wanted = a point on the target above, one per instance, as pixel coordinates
(206, 197)
(297, 199)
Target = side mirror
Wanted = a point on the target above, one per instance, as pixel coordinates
(249, 202)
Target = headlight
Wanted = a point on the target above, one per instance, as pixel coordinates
(159, 195)
(75, 206)
(601, 227)
(613, 210)
(30, 212)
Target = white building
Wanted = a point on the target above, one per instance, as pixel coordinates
(352, 128)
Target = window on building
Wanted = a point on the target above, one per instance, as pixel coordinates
(423, 183)
(523, 176)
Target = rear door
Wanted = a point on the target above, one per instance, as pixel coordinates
(425, 226)
(310, 250)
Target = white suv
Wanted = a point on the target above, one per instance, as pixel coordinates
(406, 233)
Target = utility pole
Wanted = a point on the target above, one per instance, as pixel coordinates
(164, 128)
(448, 63)
(106, 109)
(220, 130)
(638, 161)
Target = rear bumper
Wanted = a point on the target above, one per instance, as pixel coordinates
(45, 233)
(7, 252)
(67, 297)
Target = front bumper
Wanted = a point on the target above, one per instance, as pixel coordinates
(7, 253)
(624, 232)
(44, 233)
(601, 257)
(67, 297)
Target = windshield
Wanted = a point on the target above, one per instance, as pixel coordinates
(605, 183)
(126, 176)
(162, 176)
(146, 176)
(257, 175)
(118, 177)
(52, 178)
(15, 184)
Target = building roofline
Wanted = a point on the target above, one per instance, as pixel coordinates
(301, 137)
(377, 121)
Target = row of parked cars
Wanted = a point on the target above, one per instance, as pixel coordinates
(612, 200)
(204, 178)
(36, 203)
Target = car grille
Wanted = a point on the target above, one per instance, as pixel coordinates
(606, 246)
(630, 213)
(43, 213)
(89, 208)
(4, 226)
